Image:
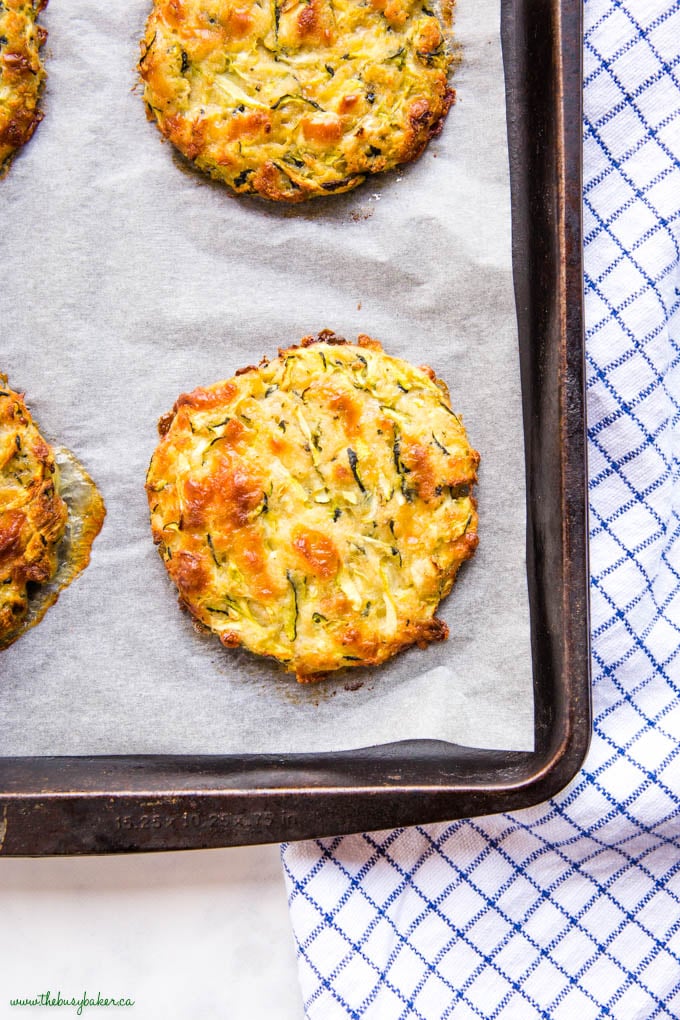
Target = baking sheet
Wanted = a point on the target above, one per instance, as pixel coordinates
(128, 279)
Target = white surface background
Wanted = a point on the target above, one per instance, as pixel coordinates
(201, 935)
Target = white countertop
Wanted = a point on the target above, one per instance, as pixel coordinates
(199, 935)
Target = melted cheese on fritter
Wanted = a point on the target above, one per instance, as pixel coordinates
(317, 508)
(21, 73)
(32, 514)
(295, 98)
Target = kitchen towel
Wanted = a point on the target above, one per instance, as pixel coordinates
(570, 909)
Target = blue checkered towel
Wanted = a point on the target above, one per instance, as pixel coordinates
(572, 909)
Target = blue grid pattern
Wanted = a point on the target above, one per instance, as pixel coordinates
(570, 909)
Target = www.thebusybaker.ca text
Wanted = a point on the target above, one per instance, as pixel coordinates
(48, 999)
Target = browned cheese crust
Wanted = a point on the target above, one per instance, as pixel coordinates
(21, 74)
(316, 508)
(291, 99)
(32, 514)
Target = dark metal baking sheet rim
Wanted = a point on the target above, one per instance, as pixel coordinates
(85, 805)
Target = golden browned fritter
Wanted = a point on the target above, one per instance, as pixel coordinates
(291, 99)
(50, 514)
(32, 513)
(21, 73)
(316, 508)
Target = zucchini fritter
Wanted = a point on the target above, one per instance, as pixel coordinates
(290, 99)
(316, 509)
(32, 513)
(21, 73)
(50, 514)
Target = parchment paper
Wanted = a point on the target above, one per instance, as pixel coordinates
(128, 278)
